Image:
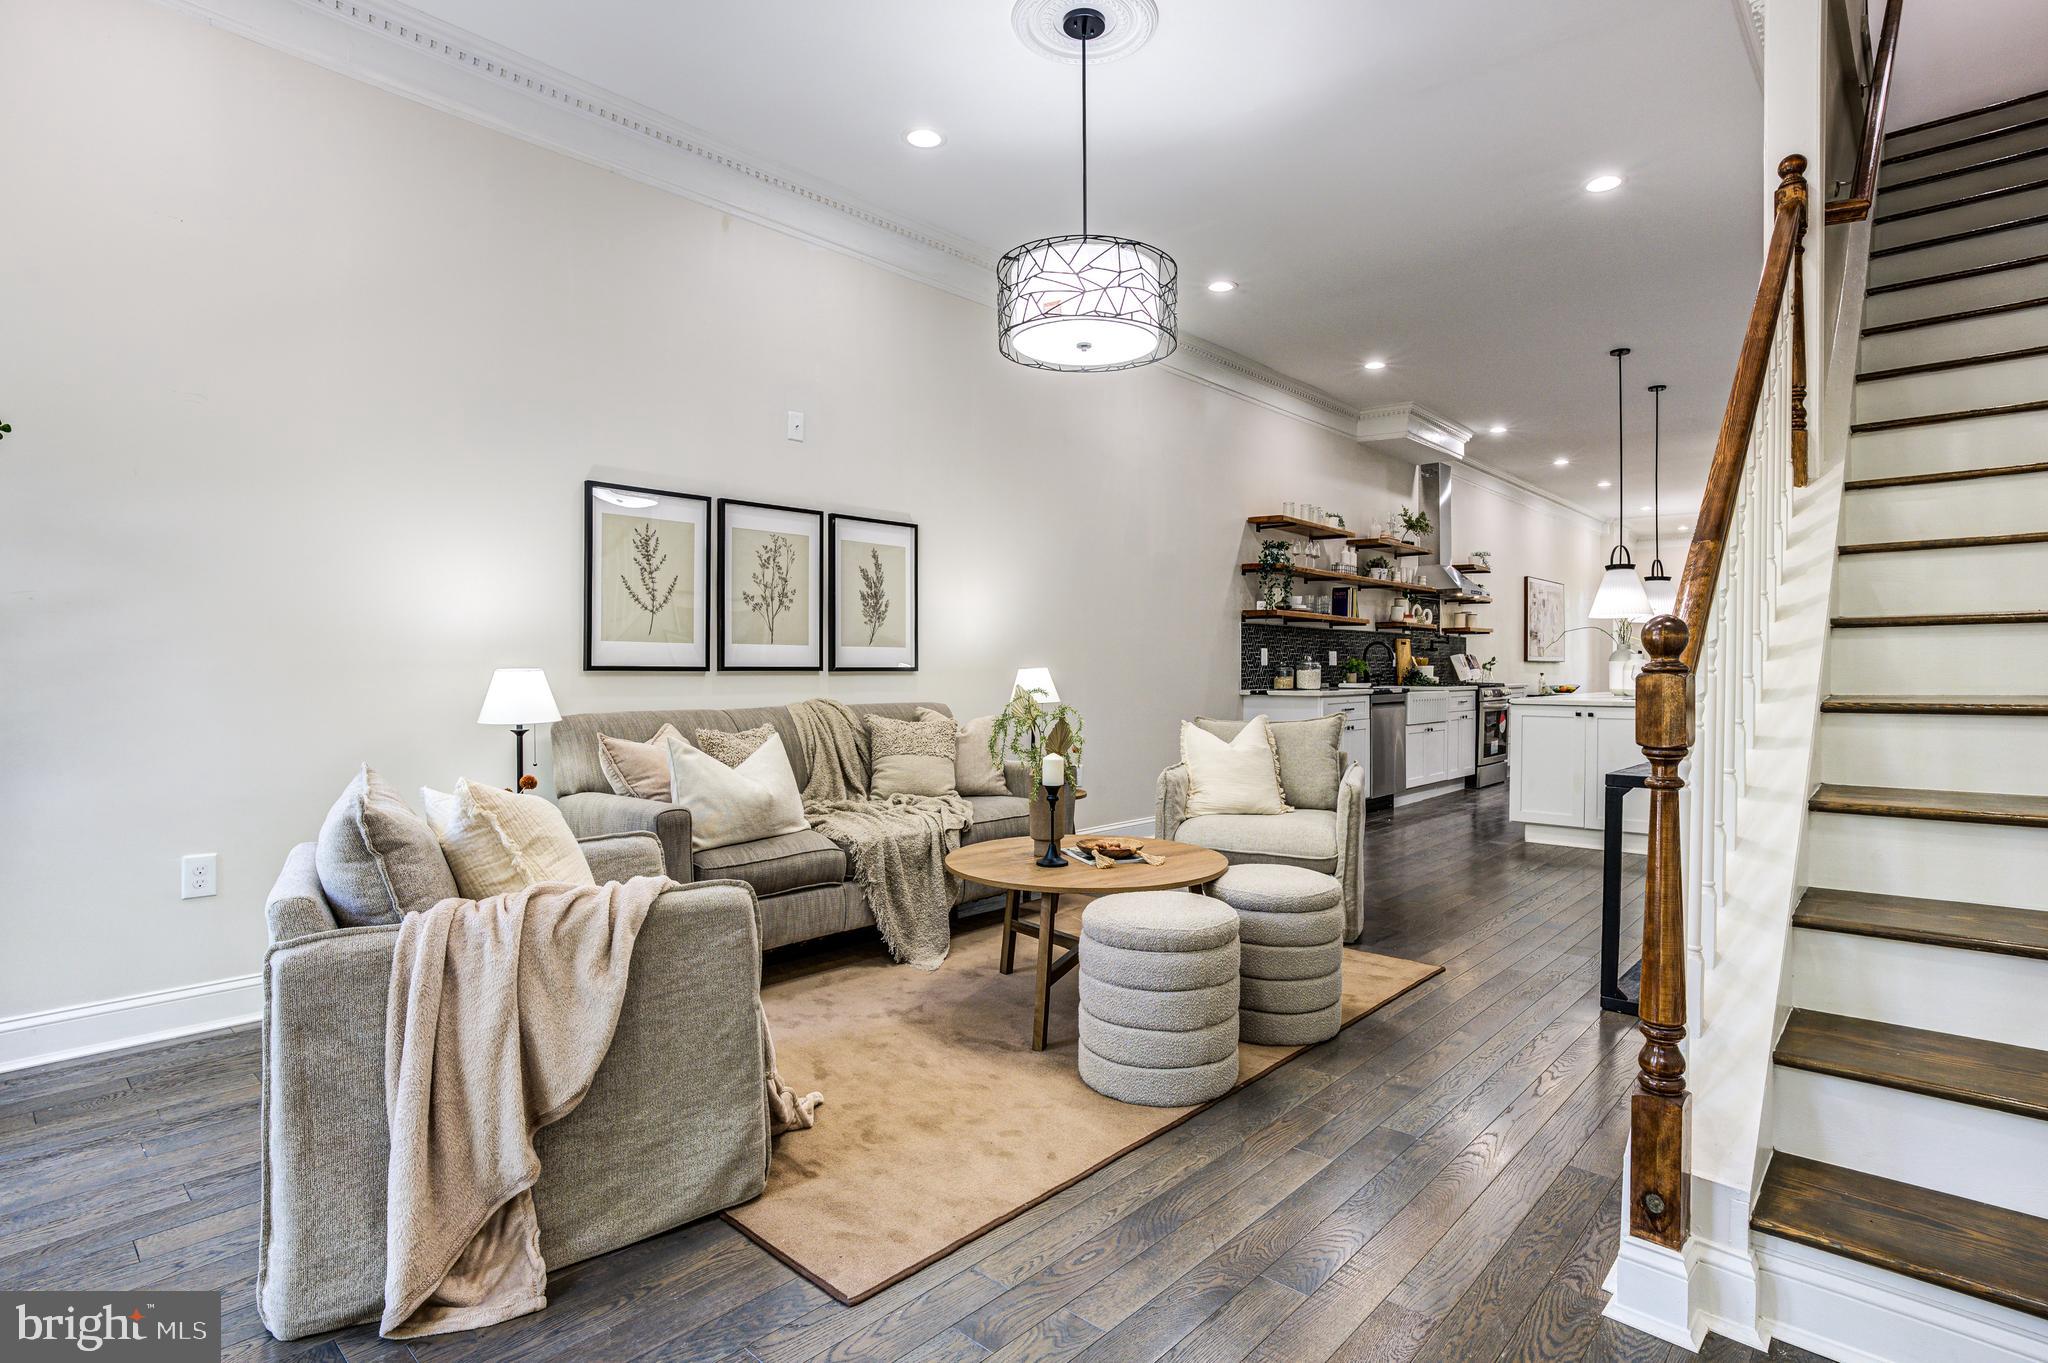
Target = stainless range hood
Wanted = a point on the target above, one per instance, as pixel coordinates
(1438, 493)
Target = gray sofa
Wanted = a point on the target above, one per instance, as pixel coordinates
(802, 879)
(675, 1125)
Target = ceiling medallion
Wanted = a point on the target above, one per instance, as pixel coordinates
(1042, 25)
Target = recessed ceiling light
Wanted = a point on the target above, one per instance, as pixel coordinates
(924, 139)
(1375, 365)
(1497, 429)
(1222, 285)
(1605, 482)
(1684, 527)
(1600, 184)
(1560, 461)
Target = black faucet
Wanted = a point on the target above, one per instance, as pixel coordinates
(1383, 646)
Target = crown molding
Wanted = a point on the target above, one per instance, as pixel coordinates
(1750, 15)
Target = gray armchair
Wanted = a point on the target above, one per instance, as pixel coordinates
(1326, 840)
(675, 1126)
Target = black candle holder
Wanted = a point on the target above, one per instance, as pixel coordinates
(1052, 857)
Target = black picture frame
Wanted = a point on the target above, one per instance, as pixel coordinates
(750, 656)
(624, 655)
(866, 658)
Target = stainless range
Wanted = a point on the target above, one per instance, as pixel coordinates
(1490, 763)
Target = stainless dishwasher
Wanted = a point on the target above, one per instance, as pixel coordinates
(1389, 776)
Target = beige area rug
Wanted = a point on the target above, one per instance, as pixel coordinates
(939, 1121)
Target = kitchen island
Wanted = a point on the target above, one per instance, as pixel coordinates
(1563, 745)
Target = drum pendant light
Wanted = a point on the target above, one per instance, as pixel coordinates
(1621, 594)
(1086, 301)
(1658, 588)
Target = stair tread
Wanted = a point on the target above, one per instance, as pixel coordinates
(1971, 272)
(1991, 1253)
(1940, 418)
(1977, 112)
(1981, 196)
(1936, 705)
(1970, 169)
(1944, 476)
(1961, 362)
(1966, 315)
(1961, 1069)
(1988, 229)
(1970, 140)
(1933, 922)
(1953, 542)
(1940, 621)
(1949, 806)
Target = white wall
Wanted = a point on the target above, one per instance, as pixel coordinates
(305, 380)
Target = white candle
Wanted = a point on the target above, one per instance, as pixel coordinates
(1054, 772)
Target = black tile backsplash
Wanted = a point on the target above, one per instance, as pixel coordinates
(1287, 645)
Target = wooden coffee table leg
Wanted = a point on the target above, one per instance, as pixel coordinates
(1008, 960)
(1048, 912)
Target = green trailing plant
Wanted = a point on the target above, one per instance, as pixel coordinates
(1027, 729)
(1276, 566)
(1415, 522)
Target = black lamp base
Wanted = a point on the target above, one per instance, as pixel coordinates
(1052, 858)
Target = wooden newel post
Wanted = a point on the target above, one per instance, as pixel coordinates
(1658, 1194)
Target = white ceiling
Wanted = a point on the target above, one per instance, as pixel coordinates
(1964, 54)
(1384, 178)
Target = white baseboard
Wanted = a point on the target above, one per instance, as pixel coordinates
(1130, 828)
(1554, 835)
(117, 1024)
(1855, 1313)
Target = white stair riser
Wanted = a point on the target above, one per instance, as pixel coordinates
(2029, 203)
(1983, 442)
(2020, 172)
(1972, 506)
(1954, 390)
(1925, 582)
(1971, 337)
(1953, 1148)
(1970, 154)
(1956, 295)
(1928, 859)
(1989, 121)
(1978, 994)
(1989, 249)
(1937, 752)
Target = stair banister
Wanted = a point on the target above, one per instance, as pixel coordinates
(1734, 560)
(1863, 191)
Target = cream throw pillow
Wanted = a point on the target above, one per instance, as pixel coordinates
(729, 748)
(912, 757)
(497, 842)
(637, 769)
(1240, 776)
(757, 799)
(974, 771)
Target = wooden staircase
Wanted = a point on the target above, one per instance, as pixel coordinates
(1910, 1090)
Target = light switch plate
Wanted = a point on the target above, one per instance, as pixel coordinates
(796, 426)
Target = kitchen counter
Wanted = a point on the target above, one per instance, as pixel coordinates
(1581, 699)
(1358, 690)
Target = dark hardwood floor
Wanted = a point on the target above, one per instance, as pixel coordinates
(1438, 1183)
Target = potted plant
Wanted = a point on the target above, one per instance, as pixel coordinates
(1276, 573)
(1357, 676)
(1377, 566)
(1414, 525)
(1483, 557)
(1026, 730)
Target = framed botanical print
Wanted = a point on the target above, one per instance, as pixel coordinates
(646, 579)
(1542, 620)
(873, 595)
(771, 587)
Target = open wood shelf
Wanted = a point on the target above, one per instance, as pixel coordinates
(1308, 530)
(1290, 617)
(1397, 548)
(1466, 629)
(1469, 568)
(1334, 575)
(1468, 599)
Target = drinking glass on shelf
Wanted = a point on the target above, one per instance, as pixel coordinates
(1289, 510)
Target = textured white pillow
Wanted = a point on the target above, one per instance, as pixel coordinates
(1241, 776)
(497, 842)
(756, 799)
(974, 771)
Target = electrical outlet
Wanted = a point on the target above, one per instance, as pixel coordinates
(796, 427)
(1263, 660)
(198, 875)
(1333, 657)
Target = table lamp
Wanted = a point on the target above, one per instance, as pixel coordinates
(519, 696)
(1037, 679)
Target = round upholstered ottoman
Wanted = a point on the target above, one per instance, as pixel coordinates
(1159, 974)
(1291, 923)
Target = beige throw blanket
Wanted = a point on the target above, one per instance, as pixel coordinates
(898, 843)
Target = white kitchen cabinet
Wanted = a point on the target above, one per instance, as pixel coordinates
(1559, 753)
(1464, 735)
(1429, 754)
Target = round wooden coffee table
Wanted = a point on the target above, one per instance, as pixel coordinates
(1011, 865)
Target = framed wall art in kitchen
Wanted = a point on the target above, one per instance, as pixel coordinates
(646, 579)
(873, 595)
(1542, 620)
(771, 587)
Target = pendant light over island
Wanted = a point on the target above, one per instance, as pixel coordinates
(1621, 595)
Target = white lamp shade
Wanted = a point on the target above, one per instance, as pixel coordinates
(1037, 679)
(519, 695)
(1621, 595)
(1662, 594)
